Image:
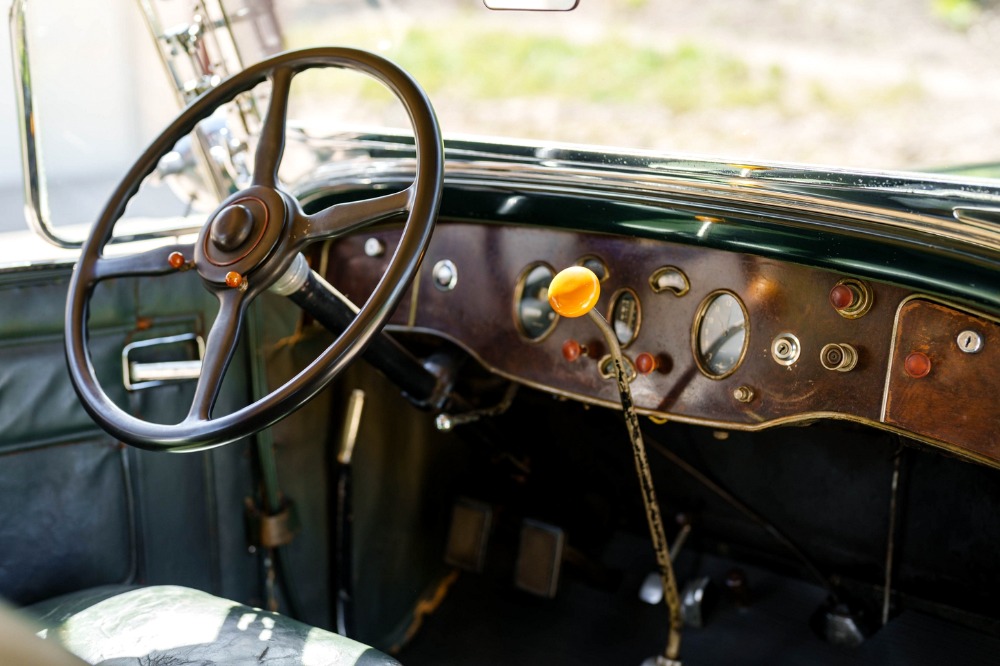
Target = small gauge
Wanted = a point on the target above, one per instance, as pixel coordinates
(625, 316)
(669, 278)
(596, 265)
(720, 334)
(534, 316)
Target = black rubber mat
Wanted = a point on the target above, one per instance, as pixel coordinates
(485, 621)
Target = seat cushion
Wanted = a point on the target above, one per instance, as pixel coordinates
(114, 626)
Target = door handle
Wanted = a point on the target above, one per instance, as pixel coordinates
(139, 375)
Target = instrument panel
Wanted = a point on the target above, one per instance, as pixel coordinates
(717, 338)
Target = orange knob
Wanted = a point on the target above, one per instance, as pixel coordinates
(574, 291)
(176, 260)
(234, 280)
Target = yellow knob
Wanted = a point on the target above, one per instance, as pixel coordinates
(574, 291)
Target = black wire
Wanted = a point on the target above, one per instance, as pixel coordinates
(743, 508)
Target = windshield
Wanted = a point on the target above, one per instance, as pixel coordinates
(899, 84)
(895, 85)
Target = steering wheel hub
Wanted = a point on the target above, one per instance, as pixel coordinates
(241, 234)
(231, 227)
(236, 231)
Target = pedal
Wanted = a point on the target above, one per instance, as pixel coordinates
(469, 534)
(697, 601)
(539, 558)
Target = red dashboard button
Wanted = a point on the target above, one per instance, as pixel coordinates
(571, 350)
(842, 297)
(645, 363)
(917, 365)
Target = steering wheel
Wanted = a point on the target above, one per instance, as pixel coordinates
(250, 242)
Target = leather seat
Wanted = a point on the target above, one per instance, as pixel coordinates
(114, 626)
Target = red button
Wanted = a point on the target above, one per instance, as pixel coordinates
(917, 365)
(571, 350)
(176, 260)
(842, 297)
(645, 363)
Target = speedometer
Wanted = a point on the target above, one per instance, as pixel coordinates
(720, 334)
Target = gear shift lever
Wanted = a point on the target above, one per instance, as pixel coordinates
(574, 293)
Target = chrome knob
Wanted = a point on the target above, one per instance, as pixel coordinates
(838, 357)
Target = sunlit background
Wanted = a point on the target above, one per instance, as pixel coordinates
(895, 84)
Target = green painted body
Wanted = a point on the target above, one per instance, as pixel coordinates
(893, 227)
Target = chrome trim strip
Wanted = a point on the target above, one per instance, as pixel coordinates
(36, 199)
(868, 202)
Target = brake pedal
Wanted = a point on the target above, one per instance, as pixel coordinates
(469, 534)
(539, 558)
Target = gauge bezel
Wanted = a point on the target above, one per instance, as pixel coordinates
(611, 313)
(522, 278)
(696, 330)
(659, 290)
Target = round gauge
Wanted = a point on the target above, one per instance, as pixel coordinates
(720, 334)
(594, 264)
(534, 316)
(625, 316)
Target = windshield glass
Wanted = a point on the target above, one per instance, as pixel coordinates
(899, 84)
(895, 85)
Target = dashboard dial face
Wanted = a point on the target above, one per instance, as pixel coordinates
(720, 334)
(534, 316)
(595, 264)
(625, 316)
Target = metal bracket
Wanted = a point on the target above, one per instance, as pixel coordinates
(271, 530)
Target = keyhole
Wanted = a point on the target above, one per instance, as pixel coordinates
(970, 342)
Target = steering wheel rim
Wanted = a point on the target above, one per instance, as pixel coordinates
(243, 237)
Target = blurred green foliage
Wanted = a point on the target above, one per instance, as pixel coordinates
(959, 14)
(472, 63)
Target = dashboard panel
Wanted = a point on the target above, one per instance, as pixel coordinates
(714, 337)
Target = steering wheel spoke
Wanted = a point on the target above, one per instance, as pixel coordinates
(158, 261)
(343, 218)
(219, 349)
(271, 144)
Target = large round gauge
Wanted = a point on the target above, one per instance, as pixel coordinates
(534, 316)
(720, 334)
(625, 316)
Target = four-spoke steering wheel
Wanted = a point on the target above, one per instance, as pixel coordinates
(249, 243)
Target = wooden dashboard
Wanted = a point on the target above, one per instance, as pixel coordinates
(473, 276)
